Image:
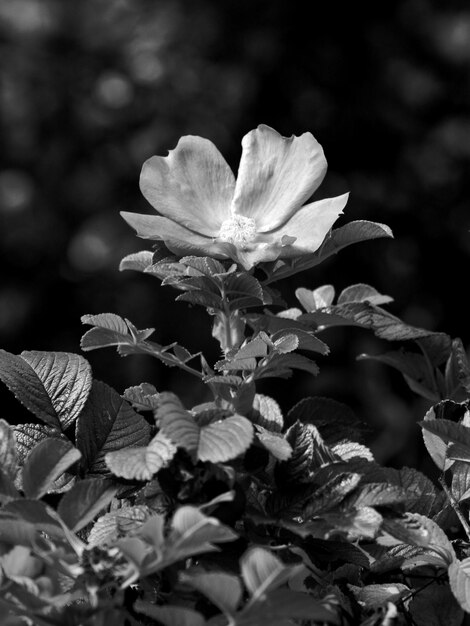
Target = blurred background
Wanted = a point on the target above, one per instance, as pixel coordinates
(90, 89)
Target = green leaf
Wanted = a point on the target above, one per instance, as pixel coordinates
(362, 293)
(423, 496)
(335, 420)
(448, 431)
(339, 238)
(225, 439)
(170, 615)
(84, 501)
(331, 494)
(281, 606)
(27, 436)
(223, 590)
(267, 413)
(459, 580)
(457, 371)
(204, 265)
(372, 596)
(107, 424)
(8, 456)
(138, 261)
(286, 343)
(434, 605)
(253, 348)
(202, 298)
(275, 443)
(281, 365)
(47, 461)
(381, 322)
(435, 445)
(52, 385)
(143, 462)
(309, 453)
(306, 340)
(414, 367)
(143, 397)
(263, 572)
(67, 380)
(354, 524)
(319, 298)
(378, 494)
(111, 526)
(109, 330)
(460, 481)
(217, 441)
(417, 530)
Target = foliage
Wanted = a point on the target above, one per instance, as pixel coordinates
(134, 509)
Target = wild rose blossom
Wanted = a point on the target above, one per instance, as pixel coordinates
(260, 216)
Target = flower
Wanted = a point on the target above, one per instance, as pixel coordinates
(261, 216)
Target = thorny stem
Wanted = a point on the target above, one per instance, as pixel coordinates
(455, 506)
(147, 348)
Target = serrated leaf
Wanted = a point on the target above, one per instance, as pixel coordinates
(306, 340)
(8, 456)
(67, 380)
(137, 261)
(267, 413)
(225, 439)
(379, 494)
(177, 424)
(331, 494)
(460, 481)
(347, 450)
(462, 366)
(372, 596)
(47, 461)
(287, 343)
(27, 436)
(243, 285)
(334, 420)
(52, 385)
(144, 397)
(423, 495)
(361, 293)
(459, 580)
(223, 590)
(204, 265)
(339, 238)
(201, 298)
(143, 462)
(109, 330)
(84, 501)
(107, 424)
(169, 615)
(309, 453)
(417, 530)
(435, 445)
(280, 365)
(110, 526)
(254, 348)
(354, 524)
(448, 431)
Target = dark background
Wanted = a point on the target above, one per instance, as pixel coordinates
(91, 88)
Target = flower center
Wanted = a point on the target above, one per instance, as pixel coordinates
(238, 229)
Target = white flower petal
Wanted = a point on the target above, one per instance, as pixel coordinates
(310, 225)
(193, 185)
(276, 176)
(177, 238)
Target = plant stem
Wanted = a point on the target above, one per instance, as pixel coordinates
(455, 505)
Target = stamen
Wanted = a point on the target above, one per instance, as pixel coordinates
(238, 229)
